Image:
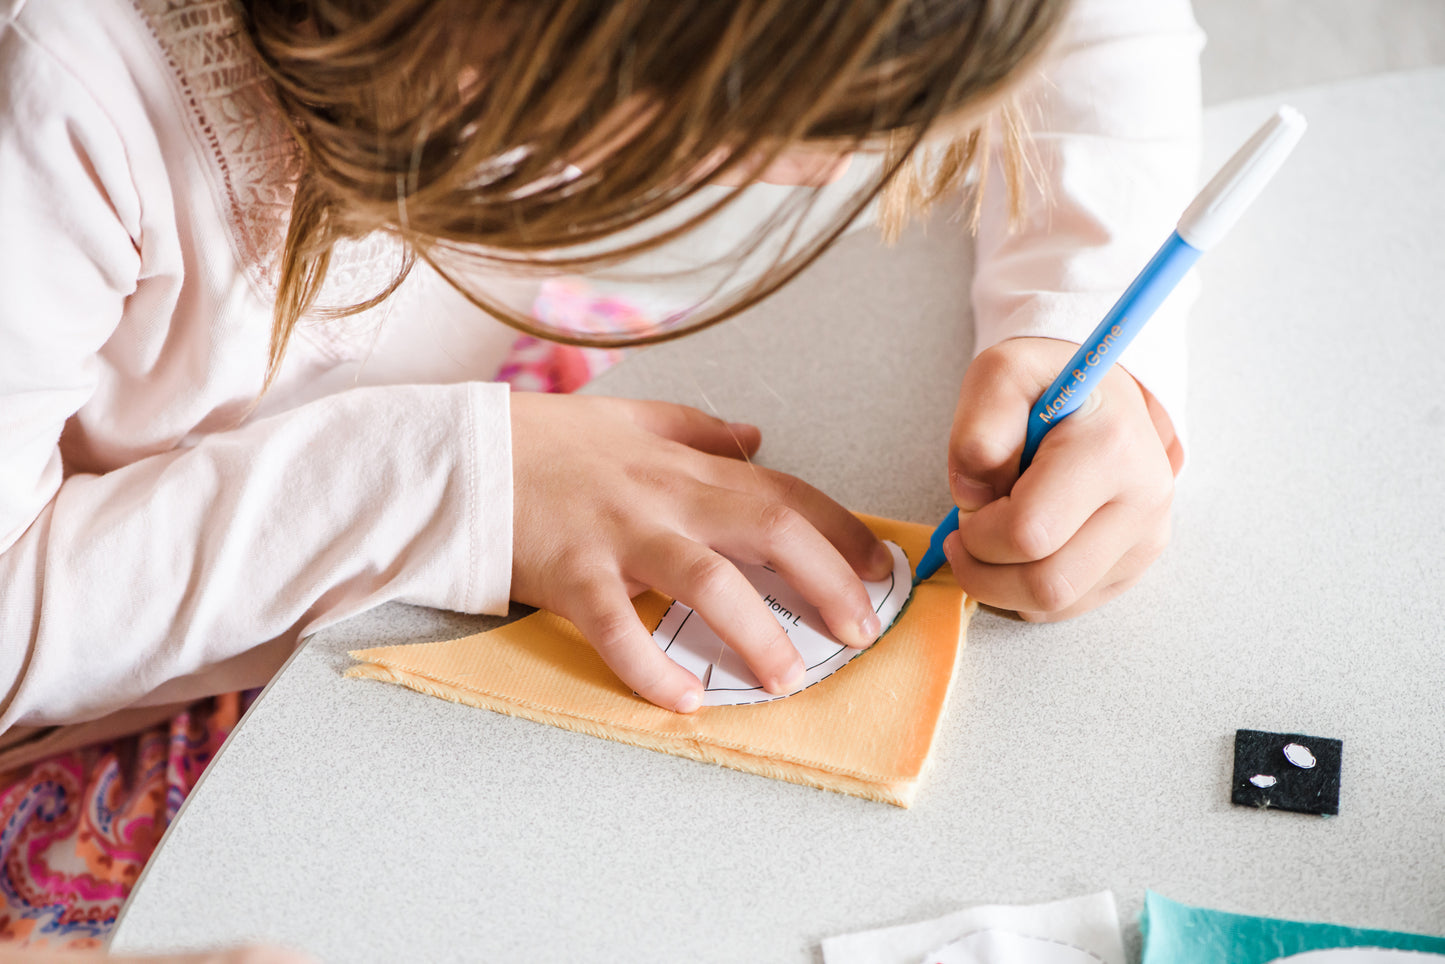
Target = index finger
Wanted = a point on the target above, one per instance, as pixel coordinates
(1092, 459)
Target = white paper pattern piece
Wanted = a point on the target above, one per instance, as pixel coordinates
(727, 681)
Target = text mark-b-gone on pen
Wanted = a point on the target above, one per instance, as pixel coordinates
(1206, 220)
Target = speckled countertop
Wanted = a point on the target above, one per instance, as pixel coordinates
(1304, 591)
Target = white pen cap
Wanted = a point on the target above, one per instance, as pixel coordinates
(1240, 180)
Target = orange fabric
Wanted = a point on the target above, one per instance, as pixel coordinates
(866, 730)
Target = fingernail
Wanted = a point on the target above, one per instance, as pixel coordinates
(871, 627)
(742, 430)
(882, 561)
(791, 681)
(950, 546)
(971, 494)
(689, 702)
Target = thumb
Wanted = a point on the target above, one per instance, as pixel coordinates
(998, 391)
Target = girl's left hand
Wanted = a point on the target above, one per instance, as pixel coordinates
(1092, 511)
(613, 496)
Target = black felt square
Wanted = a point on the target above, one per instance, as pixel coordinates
(1261, 755)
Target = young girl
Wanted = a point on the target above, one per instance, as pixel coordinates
(206, 457)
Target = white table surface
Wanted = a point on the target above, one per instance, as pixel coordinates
(1304, 591)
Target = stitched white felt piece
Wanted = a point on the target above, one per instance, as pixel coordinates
(1087, 926)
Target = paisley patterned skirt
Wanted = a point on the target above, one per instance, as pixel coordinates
(79, 826)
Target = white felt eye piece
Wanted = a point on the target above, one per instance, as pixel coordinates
(1263, 780)
(1300, 756)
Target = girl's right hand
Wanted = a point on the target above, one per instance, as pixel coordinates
(612, 497)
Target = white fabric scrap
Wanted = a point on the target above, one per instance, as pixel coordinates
(1088, 924)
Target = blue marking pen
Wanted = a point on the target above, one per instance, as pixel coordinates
(1203, 223)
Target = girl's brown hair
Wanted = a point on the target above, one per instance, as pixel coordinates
(527, 132)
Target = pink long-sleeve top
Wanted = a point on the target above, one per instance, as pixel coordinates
(160, 540)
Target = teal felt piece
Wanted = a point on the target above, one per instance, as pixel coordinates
(1176, 933)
